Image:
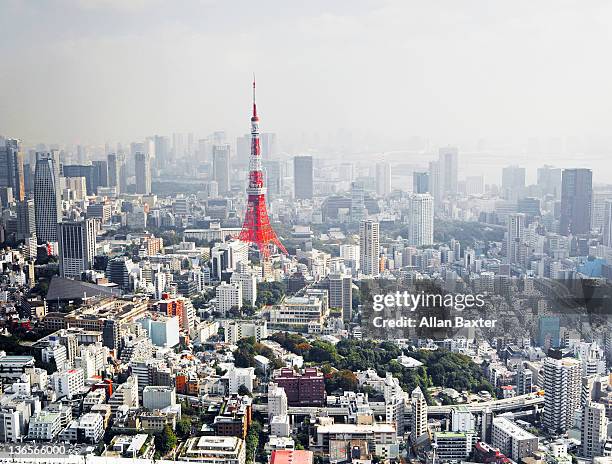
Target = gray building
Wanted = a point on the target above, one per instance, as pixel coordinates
(47, 201)
(77, 247)
(303, 177)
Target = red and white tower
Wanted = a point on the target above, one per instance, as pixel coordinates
(256, 228)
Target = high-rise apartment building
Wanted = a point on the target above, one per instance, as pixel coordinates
(594, 429)
(514, 238)
(142, 168)
(420, 219)
(369, 247)
(303, 177)
(419, 413)
(47, 201)
(561, 393)
(576, 199)
(77, 247)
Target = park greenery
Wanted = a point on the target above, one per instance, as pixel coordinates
(441, 368)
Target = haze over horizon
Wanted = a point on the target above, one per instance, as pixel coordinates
(92, 71)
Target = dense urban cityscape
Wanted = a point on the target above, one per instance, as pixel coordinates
(267, 298)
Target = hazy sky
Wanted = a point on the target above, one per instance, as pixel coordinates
(91, 71)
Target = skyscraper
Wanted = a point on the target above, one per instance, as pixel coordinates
(221, 167)
(162, 151)
(302, 177)
(274, 179)
(369, 247)
(513, 182)
(143, 173)
(420, 182)
(561, 393)
(383, 179)
(268, 145)
(594, 429)
(576, 198)
(514, 237)
(448, 165)
(420, 219)
(47, 201)
(341, 294)
(77, 247)
(113, 170)
(11, 167)
(81, 170)
(419, 414)
(607, 225)
(549, 181)
(26, 219)
(358, 209)
(99, 175)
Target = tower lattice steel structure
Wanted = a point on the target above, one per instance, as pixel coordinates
(256, 228)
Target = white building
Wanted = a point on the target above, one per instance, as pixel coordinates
(248, 283)
(228, 296)
(238, 329)
(369, 247)
(68, 382)
(594, 430)
(419, 414)
(561, 393)
(512, 440)
(214, 450)
(45, 426)
(420, 219)
(158, 397)
(163, 330)
(88, 428)
(238, 376)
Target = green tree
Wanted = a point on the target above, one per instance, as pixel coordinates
(165, 441)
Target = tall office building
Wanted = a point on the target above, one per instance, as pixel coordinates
(383, 179)
(81, 170)
(303, 177)
(420, 182)
(435, 181)
(514, 237)
(99, 175)
(113, 170)
(607, 225)
(576, 198)
(561, 393)
(594, 429)
(419, 413)
(243, 150)
(274, 178)
(448, 161)
(162, 151)
(221, 167)
(26, 219)
(513, 182)
(369, 247)
(549, 181)
(269, 146)
(11, 167)
(358, 210)
(420, 219)
(77, 247)
(143, 173)
(47, 201)
(341, 294)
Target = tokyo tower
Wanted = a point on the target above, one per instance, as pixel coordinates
(256, 228)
